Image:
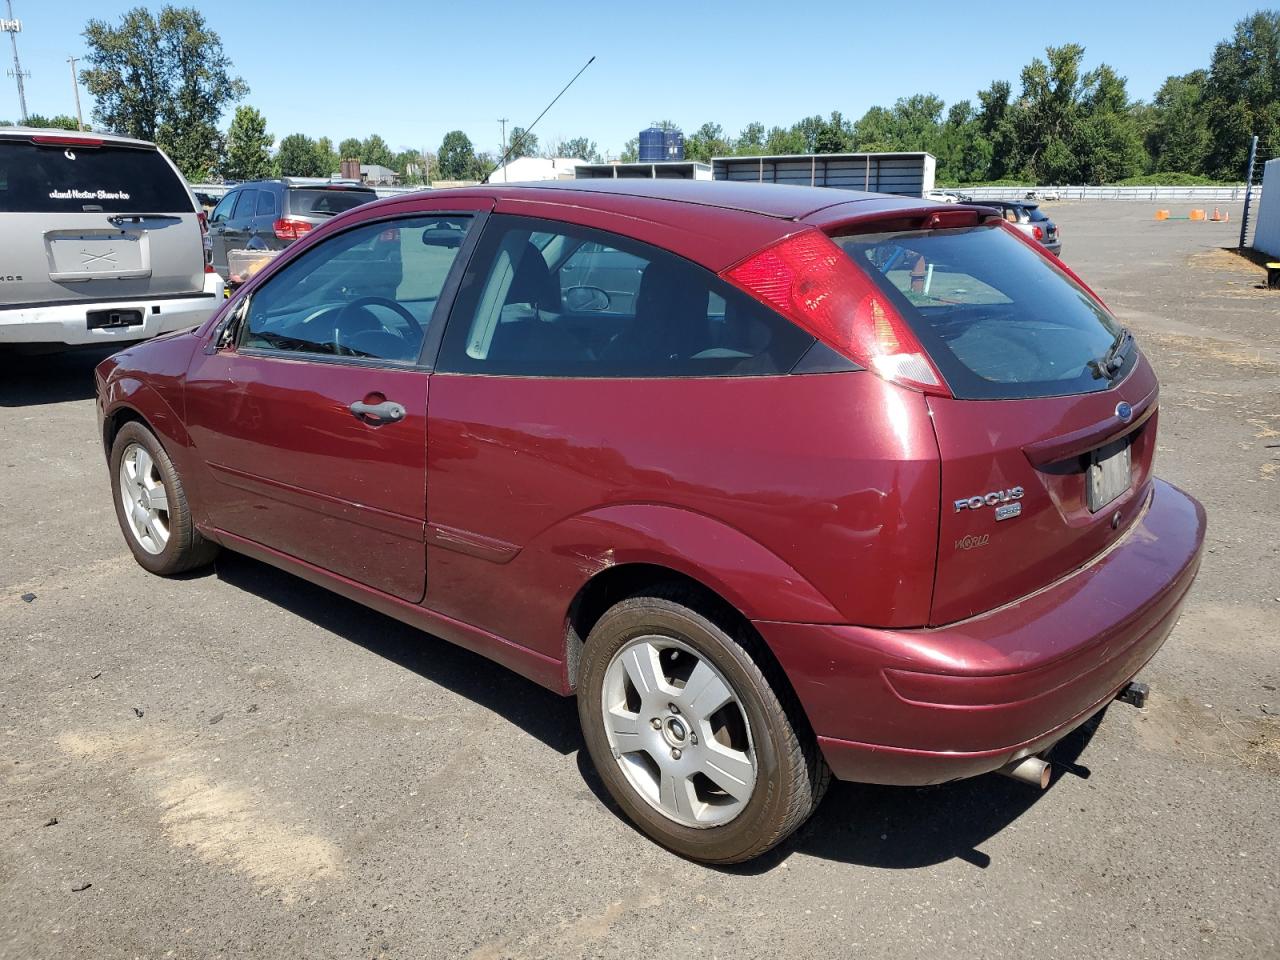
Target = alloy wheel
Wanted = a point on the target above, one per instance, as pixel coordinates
(146, 504)
(678, 732)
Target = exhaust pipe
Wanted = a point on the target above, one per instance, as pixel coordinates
(1030, 770)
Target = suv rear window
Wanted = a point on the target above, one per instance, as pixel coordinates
(36, 178)
(997, 318)
(326, 202)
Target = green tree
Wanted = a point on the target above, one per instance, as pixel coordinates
(327, 156)
(750, 141)
(630, 151)
(457, 157)
(706, 142)
(577, 147)
(963, 153)
(58, 121)
(350, 149)
(784, 140)
(1242, 94)
(375, 150)
(248, 155)
(300, 156)
(165, 78)
(522, 144)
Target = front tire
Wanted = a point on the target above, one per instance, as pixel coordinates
(151, 505)
(688, 734)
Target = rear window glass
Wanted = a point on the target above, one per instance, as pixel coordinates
(1036, 215)
(998, 319)
(71, 179)
(326, 203)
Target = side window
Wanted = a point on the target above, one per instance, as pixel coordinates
(223, 210)
(369, 293)
(244, 205)
(543, 299)
(266, 203)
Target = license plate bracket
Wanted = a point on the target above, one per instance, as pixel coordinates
(1109, 475)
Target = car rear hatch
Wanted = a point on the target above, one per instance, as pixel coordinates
(1045, 415)
(307, 207)
(83, 218)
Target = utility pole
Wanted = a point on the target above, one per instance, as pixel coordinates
(75, 85)
(503, 155)
(13, 27)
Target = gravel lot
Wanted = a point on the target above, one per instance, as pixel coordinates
(241, 764)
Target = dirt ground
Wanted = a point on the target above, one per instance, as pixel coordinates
(239, 764)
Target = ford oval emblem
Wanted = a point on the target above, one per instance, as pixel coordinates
(1124, 412)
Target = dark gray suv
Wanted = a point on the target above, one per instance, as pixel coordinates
(271, 214)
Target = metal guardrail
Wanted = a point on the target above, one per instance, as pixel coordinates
(1150, 194)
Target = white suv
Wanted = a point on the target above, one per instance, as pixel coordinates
(101, 241)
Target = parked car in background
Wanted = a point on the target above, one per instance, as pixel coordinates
(101, 242)
(1031, 220)
(1045, 193)
(781, 482)
(945, 196)
(271, 214)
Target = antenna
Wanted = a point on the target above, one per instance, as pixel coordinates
(529, 129)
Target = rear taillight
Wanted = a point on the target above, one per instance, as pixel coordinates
(810, 281)
(1037, 232)
(206, 240)
(290, 229)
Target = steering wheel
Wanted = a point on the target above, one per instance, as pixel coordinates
(392, 305)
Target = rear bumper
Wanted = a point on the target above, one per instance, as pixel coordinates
(66, 323)
(927, 706)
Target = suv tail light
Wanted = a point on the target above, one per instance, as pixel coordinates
(206, 240)
(810, 281)
(290, 229)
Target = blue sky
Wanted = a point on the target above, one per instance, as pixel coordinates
(414, 70)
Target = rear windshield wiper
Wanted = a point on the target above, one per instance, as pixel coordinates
(1109, 364)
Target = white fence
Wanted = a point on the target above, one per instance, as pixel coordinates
(1149, 194)
(1266, 235)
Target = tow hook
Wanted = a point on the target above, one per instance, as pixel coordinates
(1135, 694)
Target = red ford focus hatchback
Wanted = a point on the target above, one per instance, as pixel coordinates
(779, 482)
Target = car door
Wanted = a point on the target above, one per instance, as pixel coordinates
(262, 227)
(236, 234)
(217, 230)
(309, 407)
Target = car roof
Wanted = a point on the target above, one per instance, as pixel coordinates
(765, 199)
(26, 133)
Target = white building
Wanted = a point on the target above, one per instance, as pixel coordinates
(525, 169)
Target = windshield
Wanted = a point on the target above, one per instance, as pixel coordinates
(326, 202)
(38, 178)
(998, 319)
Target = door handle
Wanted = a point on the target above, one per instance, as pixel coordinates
(386, 412)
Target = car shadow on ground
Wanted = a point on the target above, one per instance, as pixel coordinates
(874, 826)
(38, 379)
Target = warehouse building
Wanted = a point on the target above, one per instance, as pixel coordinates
(905, 174)
(658, 170)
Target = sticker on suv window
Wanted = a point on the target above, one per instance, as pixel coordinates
(88, 195)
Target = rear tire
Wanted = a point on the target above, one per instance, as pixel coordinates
(151, 505)
(695, 744)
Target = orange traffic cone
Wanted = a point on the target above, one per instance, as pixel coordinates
(1162, 214)
(1196, 215)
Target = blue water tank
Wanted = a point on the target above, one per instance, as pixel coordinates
(674, 145)
(653, 145)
